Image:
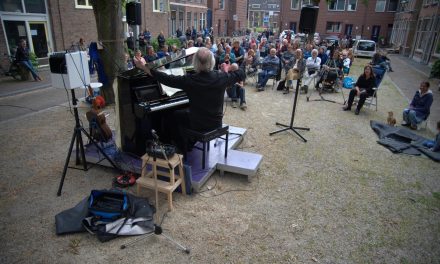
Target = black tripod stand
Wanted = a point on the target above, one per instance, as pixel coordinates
(79, 144)
(291, 127)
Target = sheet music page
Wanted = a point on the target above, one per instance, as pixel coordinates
(170, 91)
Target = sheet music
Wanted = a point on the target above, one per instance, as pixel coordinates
(170, 91)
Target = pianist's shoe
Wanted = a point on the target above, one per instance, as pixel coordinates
(234, 104)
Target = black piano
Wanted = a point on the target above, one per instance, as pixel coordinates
(143, 106)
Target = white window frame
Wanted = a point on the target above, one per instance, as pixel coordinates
(336, 5)
(271, 6)
(384, 5)
(306, 2)
(256, 6)
(156, 6)
(221, 4)
(349, 5)
(88, 5)
(333, 24)
(297, 4)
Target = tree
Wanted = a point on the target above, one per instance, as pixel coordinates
(108, 16)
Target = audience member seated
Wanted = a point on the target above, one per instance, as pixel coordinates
(346, 62)
(269, 69)
(313, 65)
(308, 51)
(333, 65)
(322, 55)
(419, 108)
(163, 52)
(22, 57)
(238, 52)
(199, 43)
(129, 62)
(299, 66)
(229, 53)
(363, 88)
(151, 55)
(288, 58)
(251, 62)
(237, 92)
(138, 57)
(382, 61)
(263, 47)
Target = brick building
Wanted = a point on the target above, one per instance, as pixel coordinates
(227, 16)
(264, 14)
(373, 20)
(416, 30)
(184, 14)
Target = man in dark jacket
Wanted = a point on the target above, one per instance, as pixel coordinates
(22, 57)
(419, 108)
(205, 90)
(161, 40)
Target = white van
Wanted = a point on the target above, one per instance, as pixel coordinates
(364, 48)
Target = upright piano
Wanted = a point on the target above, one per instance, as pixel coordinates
(143, 105)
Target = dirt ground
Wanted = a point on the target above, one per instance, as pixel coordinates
(339, 198)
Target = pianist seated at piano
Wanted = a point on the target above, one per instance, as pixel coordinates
(205, 90)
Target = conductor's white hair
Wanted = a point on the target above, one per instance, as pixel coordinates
(203, 60)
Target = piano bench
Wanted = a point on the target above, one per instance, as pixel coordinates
(205, 138)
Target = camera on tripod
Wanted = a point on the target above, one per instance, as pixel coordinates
(156, 149)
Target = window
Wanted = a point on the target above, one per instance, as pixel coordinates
(423, 33)
(158, 6)
(351, 5)
(188, 19)
(11, 6)
(221, 4)
(195, 20)
(333, 27)
(181, 19)
(35, 6)
(256, 6)
(380, 5)
(307, 2)
(294, 4)
(83, 4)
(336, 5)
(202, 21)
(392, 5)
(271, 6)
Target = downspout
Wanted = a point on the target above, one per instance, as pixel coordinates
(61, 24)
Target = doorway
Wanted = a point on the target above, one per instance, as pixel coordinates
(38, 32)
(15, 31)
(375, 33)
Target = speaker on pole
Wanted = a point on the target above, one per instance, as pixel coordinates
(307, 21)
(133, 13)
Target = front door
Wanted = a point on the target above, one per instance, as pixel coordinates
(38, 32)
(348, 29)
(15, 31)
(375, 33)
(293, 26)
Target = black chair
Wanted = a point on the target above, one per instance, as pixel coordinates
(205, 137)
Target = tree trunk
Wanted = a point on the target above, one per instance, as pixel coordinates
(108, 16)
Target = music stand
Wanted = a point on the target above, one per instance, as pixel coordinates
(291, 127)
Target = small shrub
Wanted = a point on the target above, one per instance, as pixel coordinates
(435, 71)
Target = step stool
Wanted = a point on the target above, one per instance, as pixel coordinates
(167, 169)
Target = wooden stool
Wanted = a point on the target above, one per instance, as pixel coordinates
(149, 179)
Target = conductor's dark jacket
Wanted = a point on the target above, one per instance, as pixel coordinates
(205, 91)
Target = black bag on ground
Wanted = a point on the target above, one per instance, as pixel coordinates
(281, 85)
(108, 214)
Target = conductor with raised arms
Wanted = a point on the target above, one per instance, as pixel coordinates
(205, 90)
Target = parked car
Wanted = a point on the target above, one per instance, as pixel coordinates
(364, 48)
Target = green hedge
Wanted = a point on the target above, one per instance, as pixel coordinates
(169, 42)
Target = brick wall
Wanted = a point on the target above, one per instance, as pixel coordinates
(71, 25)
(4, 62)
(365, 17)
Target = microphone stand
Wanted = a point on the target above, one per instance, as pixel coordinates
(291, 127)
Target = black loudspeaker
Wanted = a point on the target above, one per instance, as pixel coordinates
(133, 13)
(57, 63)
(307, 21)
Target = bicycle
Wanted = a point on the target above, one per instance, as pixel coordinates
(13, 70)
